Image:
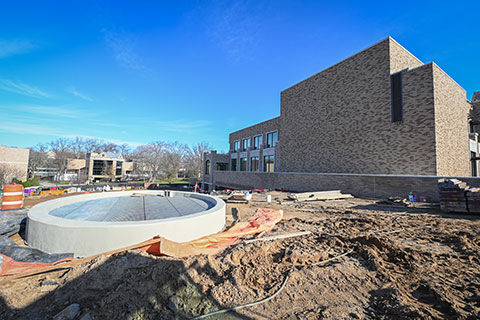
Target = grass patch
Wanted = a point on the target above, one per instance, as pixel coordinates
(179, 181)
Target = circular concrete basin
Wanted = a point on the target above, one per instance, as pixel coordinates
(94, 223)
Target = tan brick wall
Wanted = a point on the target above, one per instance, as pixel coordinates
(451, 125)
(15, 160)
(339, 120)
(128, 166)
(258, 129)
(368, 186)
(76, 164)
(322, 116)
(413, 140)
(401, 58)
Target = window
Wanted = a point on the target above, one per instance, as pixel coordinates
(272, 139)
(473, 163)
(234, 164)
(254, 164)
(257, 142)
(397, 99)
(222, 166)
(236, 146)
(268, 162)
(245, 144)
(207, 167)
(243, 164)
(118, 169)
(471, 126)
(98, 166)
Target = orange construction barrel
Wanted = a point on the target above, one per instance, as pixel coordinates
(12, 197)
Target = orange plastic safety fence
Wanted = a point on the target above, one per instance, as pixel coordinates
(8, 266)
(263, 220)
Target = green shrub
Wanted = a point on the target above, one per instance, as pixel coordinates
(30, 182)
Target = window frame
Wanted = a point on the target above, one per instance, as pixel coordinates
(265, 163)
(246, 163)
(257, 164)
(274, 142)
(473, 164)
(396, 95)
(221, 166)
(242, 144)
(236, 147)
(260, 141)
(208, 166)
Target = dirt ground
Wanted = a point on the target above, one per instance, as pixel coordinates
(405, 263)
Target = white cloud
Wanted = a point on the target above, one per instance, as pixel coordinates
(50, 111)
(180, 126)
(25, 125)
(123, 50)
(23, 89)
(116, 141)
(77, 93)
(233, 26)
(13, 47)
(64, 112)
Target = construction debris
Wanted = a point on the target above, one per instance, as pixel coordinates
(457, 196)
(452, 195)
(319, 195)
(472, 196)
(396, 263)
(240, 197)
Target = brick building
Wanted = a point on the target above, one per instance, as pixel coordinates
(13, 163)
(379, 112)
(99, 167)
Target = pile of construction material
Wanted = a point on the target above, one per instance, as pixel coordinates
(452, 195)
(319, 195)
(473, 200)
(456, 196)
(239, 197)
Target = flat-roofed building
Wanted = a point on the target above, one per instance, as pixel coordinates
(102, 166)
(381, 111)
(14, 162)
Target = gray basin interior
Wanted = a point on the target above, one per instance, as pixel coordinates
(137, 208)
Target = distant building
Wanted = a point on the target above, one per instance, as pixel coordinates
(99, 167)
(14, 162)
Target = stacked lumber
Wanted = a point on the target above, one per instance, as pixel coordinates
(452, 195)
(473, 200)
(319, 195)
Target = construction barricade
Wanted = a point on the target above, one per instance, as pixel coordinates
(12, 197)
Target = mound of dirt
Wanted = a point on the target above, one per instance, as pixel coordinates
(404, 264)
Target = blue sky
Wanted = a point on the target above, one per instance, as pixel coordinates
(190, 71)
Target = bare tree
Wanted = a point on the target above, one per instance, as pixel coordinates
(108, 147)
(38, 158)
(150, 157)
(173, 159)
(194, 158)
(61, 149)
(124, 150)
(90, 145)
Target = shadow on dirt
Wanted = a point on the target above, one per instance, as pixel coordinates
(130, 285)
